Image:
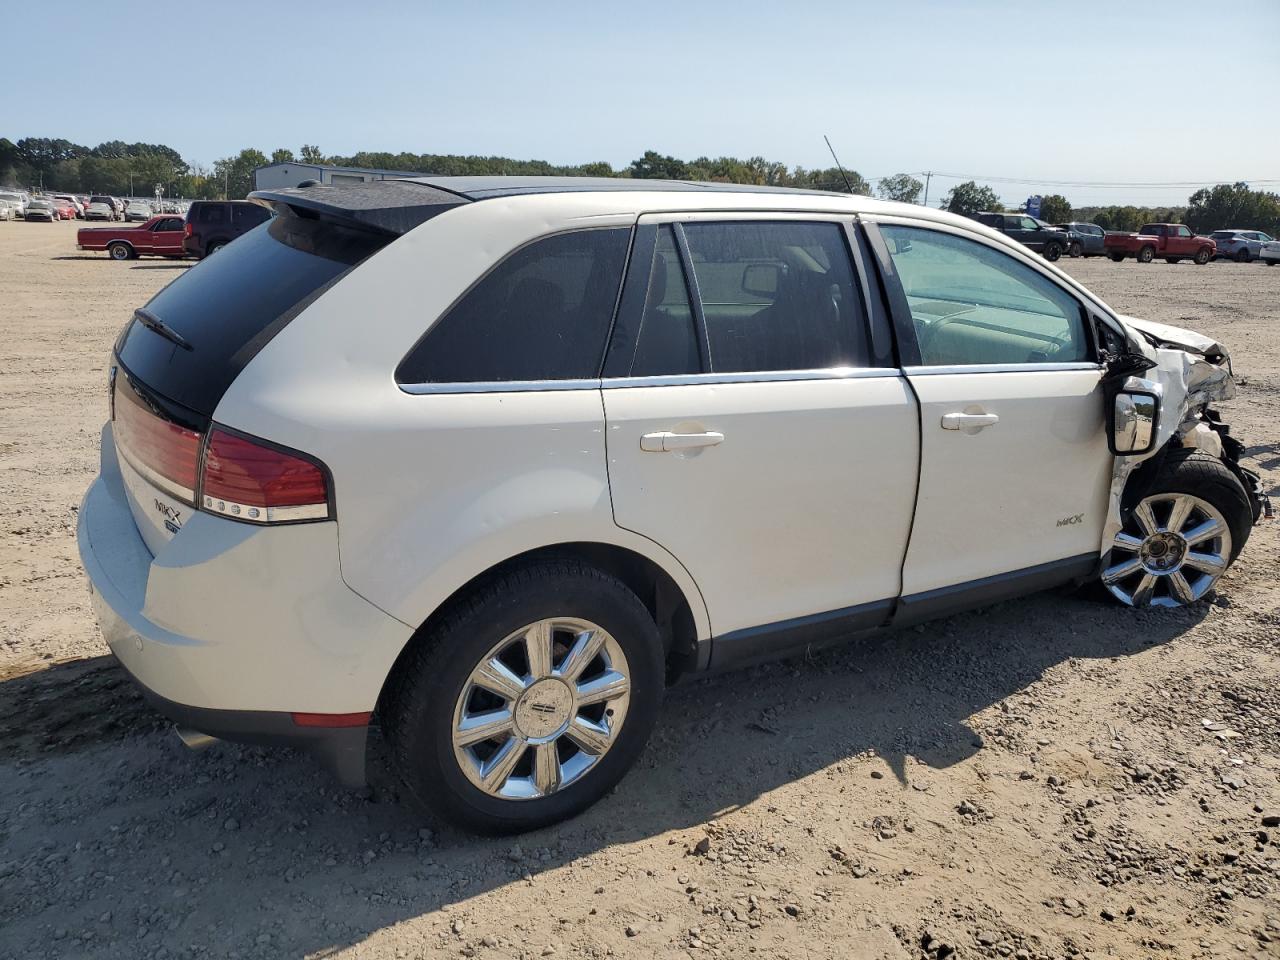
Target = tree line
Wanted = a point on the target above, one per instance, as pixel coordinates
(134, 169)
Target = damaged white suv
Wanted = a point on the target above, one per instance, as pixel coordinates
(489, 462)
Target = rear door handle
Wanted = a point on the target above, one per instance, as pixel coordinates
(968, 421)
(666, 441)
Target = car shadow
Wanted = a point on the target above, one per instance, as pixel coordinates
(358, 862)
(162, 266)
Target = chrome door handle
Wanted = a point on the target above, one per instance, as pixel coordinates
(968, 421)
(666, 441)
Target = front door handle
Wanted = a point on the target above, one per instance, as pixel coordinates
(968, 421)
(665, 441)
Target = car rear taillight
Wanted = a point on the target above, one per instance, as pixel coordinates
(186, 229)
(251, 480)
(165, 453)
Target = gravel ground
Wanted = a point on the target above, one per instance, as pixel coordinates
(1051, 777)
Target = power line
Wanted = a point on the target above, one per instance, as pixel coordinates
(1101, 184)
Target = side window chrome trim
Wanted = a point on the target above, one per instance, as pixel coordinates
(933, 371)
(499, 386)
(761, 376)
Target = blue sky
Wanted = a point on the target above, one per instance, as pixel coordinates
(1158, 92)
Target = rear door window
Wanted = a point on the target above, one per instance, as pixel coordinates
(229, 306)
(667, 344)
(542, 314)
(777, 296)
(245, 216)
(212, 214)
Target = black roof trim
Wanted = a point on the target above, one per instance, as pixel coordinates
(484, 188)
(388, 206)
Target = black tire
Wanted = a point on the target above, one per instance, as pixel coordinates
(1206, 477)
(1075, 250)
(119, 251)
(1202, 256)
(1117, 257)
(418, 710)
(1172, 259)
(214, 247)
(1052, 251)
(1242, 255)
(1146, 254)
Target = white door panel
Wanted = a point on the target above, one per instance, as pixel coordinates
(1029, 488)
(792, 498)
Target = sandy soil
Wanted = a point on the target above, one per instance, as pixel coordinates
(1050, 777)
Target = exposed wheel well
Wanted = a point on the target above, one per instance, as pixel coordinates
(661, 596)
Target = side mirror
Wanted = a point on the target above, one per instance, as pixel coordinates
(1132, 427)
(761, 279)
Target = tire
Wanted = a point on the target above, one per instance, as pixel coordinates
(1272, 263)
(1146, 254)
(1219, 502)
(1117, 257)
(214, 247)
(1202, 256)
(1075, 250)
(1172, 259)
(1052, 251)
(435, 689)
(119, 251)
(1242, 255)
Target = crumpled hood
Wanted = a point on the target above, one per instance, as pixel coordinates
(1179, 337)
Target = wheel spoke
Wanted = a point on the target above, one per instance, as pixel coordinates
(1210, 563)
(1201, 532)
(546, 768)
(1146, 587)
(608, 686)
(1180, 589)
(1146, 518)
(585, 648)
(1121, 570)
(498, 768)
(1127, 541)
(537, 644)
(594, 738)
(1179, 513)
(482, 726)
(496, 677)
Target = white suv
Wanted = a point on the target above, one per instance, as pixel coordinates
(494, 459)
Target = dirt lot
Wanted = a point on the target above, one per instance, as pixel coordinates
(1045, 778)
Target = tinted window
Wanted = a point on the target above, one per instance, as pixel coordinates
(1013, 223)
(777, 296)
(246, 215)
(1152, 230)
(667, 343)
(170, 223)
(229, 306)
(974, 304)
(542, 314)
(212, 213)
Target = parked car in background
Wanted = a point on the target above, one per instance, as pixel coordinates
(18, 201)
(1240, 245)
(212, 224)
(65, 209)
(1085, 239)
(581, 440)
(74, 201)
(99, 210)
(6, 210)
(1171, 241)
(1041, 237)
(159, 236)
(1270, 253)
(109, 203)
(138, 210)
(38, 208)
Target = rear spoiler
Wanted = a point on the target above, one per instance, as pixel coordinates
(387, 206)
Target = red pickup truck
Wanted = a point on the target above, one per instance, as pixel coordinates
(1173, 241)
(160, 236)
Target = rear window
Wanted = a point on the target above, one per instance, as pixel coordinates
(1152, 230)
(229, 306)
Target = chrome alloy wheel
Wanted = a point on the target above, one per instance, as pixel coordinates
(541, 709)
(1171, 551)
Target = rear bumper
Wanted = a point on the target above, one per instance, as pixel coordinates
(230, 629)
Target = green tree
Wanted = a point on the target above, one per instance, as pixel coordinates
(282, 155)
(1055, 209)
(310, 153)
(968, 198)
(654, 166)
(234, 175)
(1233, 205)
(902, 187)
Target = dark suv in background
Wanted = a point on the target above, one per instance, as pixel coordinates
(1086, 239)
(1048, 241)
(212, 224)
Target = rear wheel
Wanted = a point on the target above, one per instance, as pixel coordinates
(214, 247)
(1202, 256)
(1242, 255)
(1052, 251)
(1181, 537)
(1075, 250)
(529, 700)
(119, 251)
(1146, 254)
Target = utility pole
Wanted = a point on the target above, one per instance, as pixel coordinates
(928, 175)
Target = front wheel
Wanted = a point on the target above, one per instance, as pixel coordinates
(1181, 537)
(1146, 254)
(1202, 256)
(529, 700)
(1052, 251)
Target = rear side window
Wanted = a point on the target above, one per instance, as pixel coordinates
(667, 344)
(247, 215)
(229, 306)
(543, 313)
(777, 296)
(213, 213)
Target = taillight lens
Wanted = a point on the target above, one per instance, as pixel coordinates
(250, 480)
(166, 454)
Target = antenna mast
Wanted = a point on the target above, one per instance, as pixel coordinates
(839, 166)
